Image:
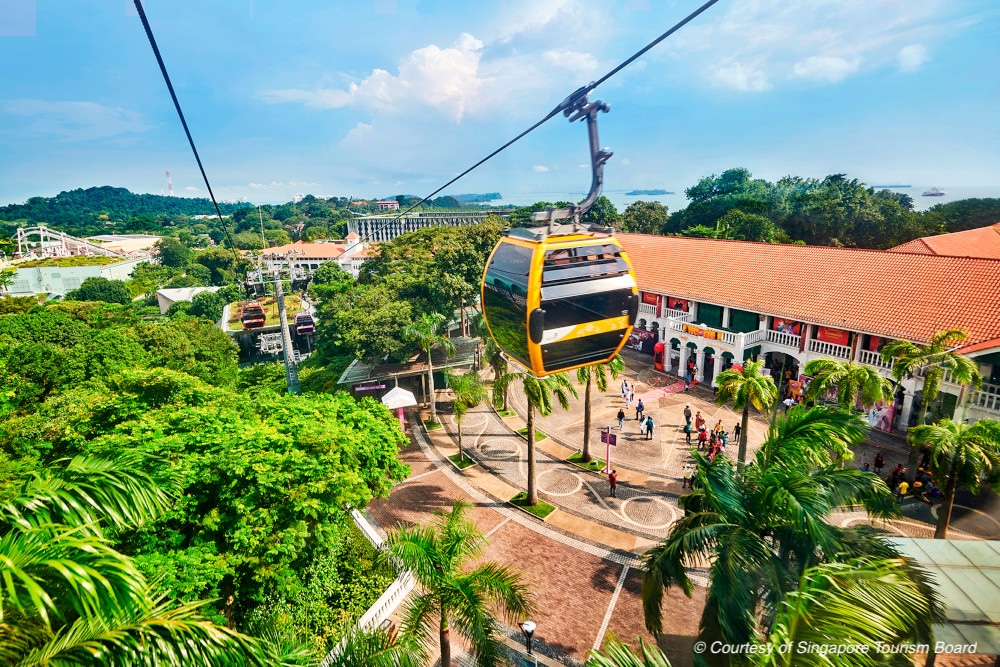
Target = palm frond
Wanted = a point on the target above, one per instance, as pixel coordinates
(617, 654)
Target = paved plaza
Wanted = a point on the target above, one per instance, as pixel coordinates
(583, 562)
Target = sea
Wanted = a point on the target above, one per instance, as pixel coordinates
(677, 200)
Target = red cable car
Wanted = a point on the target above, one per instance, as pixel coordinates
(252, 315)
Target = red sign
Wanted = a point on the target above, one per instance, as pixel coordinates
(648, 297)
(835, 336)
(677, 304)
(787, 326)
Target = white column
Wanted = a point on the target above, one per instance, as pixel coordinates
(725, 317)
(682, 368)
(699, 362)
(904, 413)
(666, 356)
(718, 366)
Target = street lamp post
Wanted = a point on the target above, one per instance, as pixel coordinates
(528, 628)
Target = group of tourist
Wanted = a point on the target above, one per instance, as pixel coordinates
(714, 441)
(646, 424)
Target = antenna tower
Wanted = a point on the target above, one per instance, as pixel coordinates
(170, 186)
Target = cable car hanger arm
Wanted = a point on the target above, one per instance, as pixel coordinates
(575, 107)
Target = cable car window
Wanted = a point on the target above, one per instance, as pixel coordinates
(585, 308)
(582, 263)
(505, 293)
(584, 350)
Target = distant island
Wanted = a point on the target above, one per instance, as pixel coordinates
(649, 192)
(887, 187)
(474, 198)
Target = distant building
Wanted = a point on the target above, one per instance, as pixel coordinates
(169, 296)
(133, 245)
(376, 228)
(349, 253)
(387, 205)
(55, 281)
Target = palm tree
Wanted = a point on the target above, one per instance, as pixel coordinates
(933, 360)
(539, 393)
(68, 597)
(587, 375)
(469, 393)
(493, 355)
(449, 594)
(426, 334)
(372, 647)
(761, 531)
(850, 379)
(960, 455)
(861, 602)
(744, 388)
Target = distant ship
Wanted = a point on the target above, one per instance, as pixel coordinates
(658, 191)
(935, 192)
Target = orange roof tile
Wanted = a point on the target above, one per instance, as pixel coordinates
(308, 250)
(981, 242)
(893, 294)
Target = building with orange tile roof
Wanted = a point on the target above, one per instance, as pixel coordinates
(716, 302)
(982, 242)
(306, 257)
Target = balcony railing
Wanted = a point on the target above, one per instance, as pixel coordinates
(752, 337)
(829, 349)
(678, 315)
(874, 359)
(647, 309)
(987, 398)
(781, 338)
(727, 337)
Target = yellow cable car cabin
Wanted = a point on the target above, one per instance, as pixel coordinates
(556, 303)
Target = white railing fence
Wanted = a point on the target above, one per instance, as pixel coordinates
(830, 349)
(387, 603)
(647, 309)
(679, 315)
(987, 398)
(782, 338)
(874, 359)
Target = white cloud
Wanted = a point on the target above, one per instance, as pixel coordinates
(573, 61)
(191, 188)
(540, 168)
(826, 68)
(911, 57)
(765, 43)
(448, 80)
(71, 121)
(625, 162)
(278, 185)
(741, 77)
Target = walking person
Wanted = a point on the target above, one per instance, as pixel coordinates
(687, 413)
(639, 409)
(621, 419)
(628, 399)
(702, 439)
(699, 421)
(879, 463)
(649, 427)
(736, 431)
(687, 433)
(719, 428)
(687, 382)
(687, 476)
(631, 393)
(624, 388)
(613, 482)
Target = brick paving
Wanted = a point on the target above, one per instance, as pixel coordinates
(574, 577)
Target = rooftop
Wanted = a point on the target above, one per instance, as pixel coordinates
(967, 574)
(982, 242)
(305, 250)
(893, 294)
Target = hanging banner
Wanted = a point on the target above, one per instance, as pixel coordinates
(786, 326)
(698, 331)
(641, 341)
(650, 298)
(835, 336)
(880, 416)
(677, 304)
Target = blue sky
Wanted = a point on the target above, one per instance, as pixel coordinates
(378, 97)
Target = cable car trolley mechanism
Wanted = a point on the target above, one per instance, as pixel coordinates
(563, 295)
